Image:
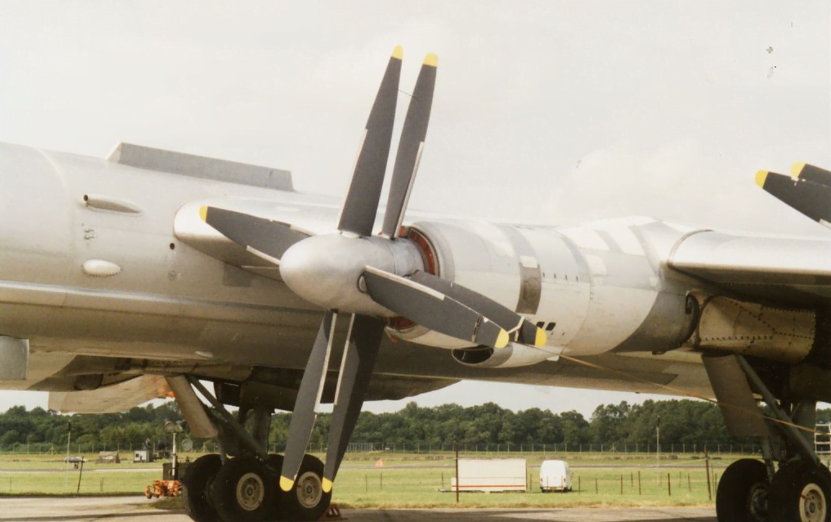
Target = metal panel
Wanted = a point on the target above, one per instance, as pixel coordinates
(200, 166)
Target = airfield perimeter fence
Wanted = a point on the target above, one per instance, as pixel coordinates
(604, 474)
(417, 448)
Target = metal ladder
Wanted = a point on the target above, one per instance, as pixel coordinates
(822, 442)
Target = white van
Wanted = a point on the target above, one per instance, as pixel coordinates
(555, 475)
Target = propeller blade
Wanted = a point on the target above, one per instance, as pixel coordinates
(364, 339)
(522, 330)
(432, 309)
(308, 401)
(805, 172)
(810, 198)
(263, 237)
(410, 147)
(361, 204)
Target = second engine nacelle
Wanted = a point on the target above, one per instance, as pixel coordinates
(512, 356)
(494, 260)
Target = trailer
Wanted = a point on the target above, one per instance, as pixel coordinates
(491, 475)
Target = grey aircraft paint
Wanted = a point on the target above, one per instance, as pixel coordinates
(606, 287)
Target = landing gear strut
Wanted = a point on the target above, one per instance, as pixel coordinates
(242, 483)
(752, 490)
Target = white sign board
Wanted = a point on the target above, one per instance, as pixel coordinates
(490, 475)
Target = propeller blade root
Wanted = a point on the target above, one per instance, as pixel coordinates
(432, 309)
(521, 330)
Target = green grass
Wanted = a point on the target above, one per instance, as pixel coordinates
(92, 483)
(409, 488)
(411, 481)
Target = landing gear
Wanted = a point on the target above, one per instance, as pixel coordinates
(801, 493)
(308, 501)
(242, 484)
(243, 490)
(752, 491)
(742, 494)
(195, 484)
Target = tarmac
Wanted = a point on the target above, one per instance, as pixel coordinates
(138, 509)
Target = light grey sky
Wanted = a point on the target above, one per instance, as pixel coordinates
(551, 112)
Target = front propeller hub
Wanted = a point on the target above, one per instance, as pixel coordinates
(326, 270)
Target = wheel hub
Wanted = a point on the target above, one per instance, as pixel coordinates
(250, 491)
(812, 504)
(309, 490)
(758, 502)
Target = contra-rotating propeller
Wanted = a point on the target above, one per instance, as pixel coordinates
(370, 278)
(807, 189)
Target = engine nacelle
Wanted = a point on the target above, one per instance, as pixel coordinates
(512, 356)
(494, 260)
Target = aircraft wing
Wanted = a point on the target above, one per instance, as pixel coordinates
(784, 271)
(111, 399)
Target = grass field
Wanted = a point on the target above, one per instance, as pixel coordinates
(410, 480)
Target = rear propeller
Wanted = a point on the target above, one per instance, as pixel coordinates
(368, 278)
(807, 189)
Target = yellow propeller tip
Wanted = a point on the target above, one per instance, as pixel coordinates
(541, 338)
(796, 169)
(761, 176)
(398, 52)
(431, 59)
(502, 339)
(286, 484)
(203, 213)
(327, 485)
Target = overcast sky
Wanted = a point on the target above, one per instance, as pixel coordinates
(549, 112)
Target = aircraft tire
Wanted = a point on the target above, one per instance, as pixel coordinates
(243, 491)
(280, 503)
(801, 492)
(194, 488)
(742, 491)
(308, 502)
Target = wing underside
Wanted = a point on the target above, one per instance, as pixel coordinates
(784, 271)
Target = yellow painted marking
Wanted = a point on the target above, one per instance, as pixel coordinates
(203, 213)
(796, 169)
(540, 339)
(502, 339)
(286, 484)
(327, 485)
(761, 176)
(432, 60)
(398, 52)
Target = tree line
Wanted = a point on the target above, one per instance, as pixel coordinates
(680, 421)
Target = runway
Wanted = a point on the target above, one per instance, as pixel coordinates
(138, 509)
